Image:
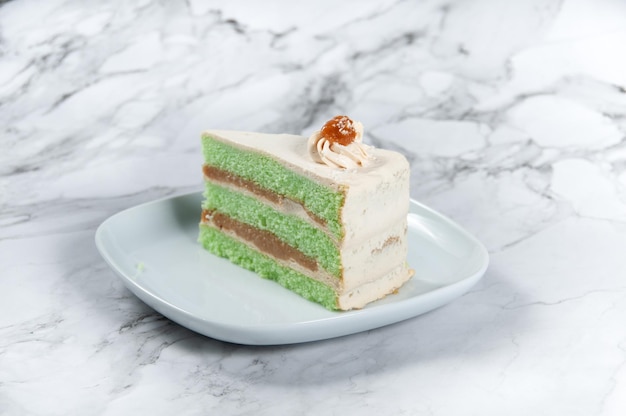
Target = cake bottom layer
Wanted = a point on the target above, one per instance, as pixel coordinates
(239, 253)
(376, 289)
(224, 246)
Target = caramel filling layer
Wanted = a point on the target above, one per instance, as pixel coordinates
(265, 241)
(219, 175)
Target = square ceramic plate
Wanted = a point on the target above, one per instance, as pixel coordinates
(153, 248)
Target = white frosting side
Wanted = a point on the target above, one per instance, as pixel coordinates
(377, 289)
(375, 208)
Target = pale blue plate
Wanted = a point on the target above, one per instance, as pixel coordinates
(153, 248)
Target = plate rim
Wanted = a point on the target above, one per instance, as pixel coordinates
(291, 333)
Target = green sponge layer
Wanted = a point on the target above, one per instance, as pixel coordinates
(308, 239)
(269, 174)
(224, 246)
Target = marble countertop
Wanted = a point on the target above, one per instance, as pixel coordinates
(512, 115)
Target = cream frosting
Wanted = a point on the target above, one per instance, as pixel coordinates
(323, 149)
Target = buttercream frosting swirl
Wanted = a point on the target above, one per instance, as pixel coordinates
(339, 144)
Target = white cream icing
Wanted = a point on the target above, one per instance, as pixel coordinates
(338, 156)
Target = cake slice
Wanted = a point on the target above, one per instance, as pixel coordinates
(325, 217)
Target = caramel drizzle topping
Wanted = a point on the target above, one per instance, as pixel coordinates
(339, 129)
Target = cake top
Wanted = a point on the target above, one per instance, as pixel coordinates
(321, 155)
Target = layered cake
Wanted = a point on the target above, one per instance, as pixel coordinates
(324, 216)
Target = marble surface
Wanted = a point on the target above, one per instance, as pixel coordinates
(512, 115)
